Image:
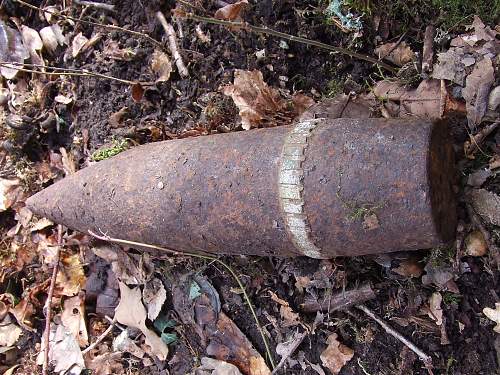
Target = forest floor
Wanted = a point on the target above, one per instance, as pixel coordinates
(81, 91)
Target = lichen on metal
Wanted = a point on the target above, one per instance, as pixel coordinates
(291, 176)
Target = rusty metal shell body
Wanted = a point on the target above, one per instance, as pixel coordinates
(321, 188)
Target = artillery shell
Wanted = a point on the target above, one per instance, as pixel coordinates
(320, 188)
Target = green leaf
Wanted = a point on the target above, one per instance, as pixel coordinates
(194, 291)
(168, 338)
(161, 323)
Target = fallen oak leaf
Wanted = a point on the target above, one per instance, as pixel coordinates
(10, 192)
(336, 355)
(131, 312)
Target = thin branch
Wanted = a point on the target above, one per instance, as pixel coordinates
(292, 38)
(100, 338)
(93, 4)
(110, 27)
(424, 357)
(68, 72)
(172, 43)
(206, 257)
(48, 303)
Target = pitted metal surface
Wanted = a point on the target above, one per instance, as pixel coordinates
(284, 191)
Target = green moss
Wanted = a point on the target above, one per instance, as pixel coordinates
(334, 88)
(105, 153)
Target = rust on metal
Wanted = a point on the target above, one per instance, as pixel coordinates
(320, 188)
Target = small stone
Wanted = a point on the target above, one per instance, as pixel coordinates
(160, 185)
(475, 244)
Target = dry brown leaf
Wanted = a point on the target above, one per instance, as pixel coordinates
(161, 65)
(336, 355)
(399, 54)
(105, 364)
(487, 205)
(64, 351)
(113, 51)
(33, 43)
(137, 92)
(256, 101)
(52, 37)
(73, 318)
(435, 310)
(11, 50)
(10, 192)
(231, 12)
(154, 296)
(228, 343)
(78, 42)
(494, 99)
(217, 367)
(9, 332)
(71, 276)
(475, 244)
(450, 66)
(494, 315)
(409, 268)
(477, 90)
(131, 312)
(123, 343)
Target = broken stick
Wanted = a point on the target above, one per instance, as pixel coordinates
(48, 303)
(339, 301)
(428, 50)
(172, 43)
(427, 359)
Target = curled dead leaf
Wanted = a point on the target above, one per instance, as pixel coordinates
(161, 65)
(231, 12)
(77, 44)
(260, 105)
(475, 244)
(397, 53)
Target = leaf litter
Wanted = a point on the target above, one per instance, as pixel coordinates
(260, 105)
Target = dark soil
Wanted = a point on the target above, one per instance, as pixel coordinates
(169, 108)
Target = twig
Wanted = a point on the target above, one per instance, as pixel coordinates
(340, 301)
(476, 140)
(428, 50)
(93, 4)
(48, 303)
(100, 338)
(292, 38)
(297, 340)
(424, 357)
(172, 43)
(110, 27)
(68, 72)
(207, 257)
